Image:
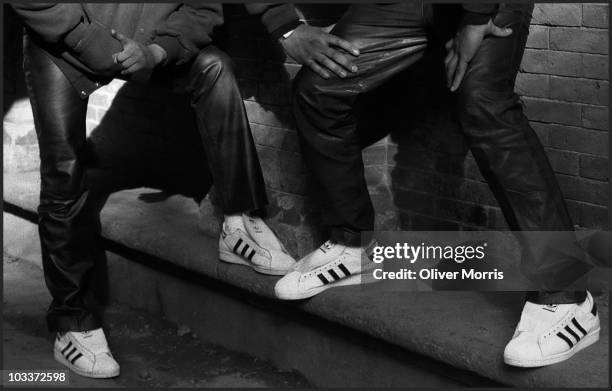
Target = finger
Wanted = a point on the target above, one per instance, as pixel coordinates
(451, 68)
(344, 44)
(500, 32)
(317, 69)
(130, 61)
(341, 59)
(461, 68)
(128, 52)
(133, 69)
(449, 44)
(327, 63)
(448, 57)
(120, 37)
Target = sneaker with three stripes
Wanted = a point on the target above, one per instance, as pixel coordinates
(548, 334)
(331, 265)
(247, 240)
(86, 353)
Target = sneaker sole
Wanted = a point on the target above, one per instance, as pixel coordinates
(230, 257)
(60, 358)
(587, 341)
(354, 279)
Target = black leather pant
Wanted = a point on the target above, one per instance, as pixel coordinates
(391, 38)
(68, 225)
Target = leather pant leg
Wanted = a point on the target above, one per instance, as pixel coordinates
(390, 38)
(513, 161)
(67, 230)
(224, 128)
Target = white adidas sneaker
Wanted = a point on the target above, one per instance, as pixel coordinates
(329, 266)
(86, 353)
(548, 334)
(252, 243)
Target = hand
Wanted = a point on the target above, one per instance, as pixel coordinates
(137, 60)
(319, 50)
(463, 47)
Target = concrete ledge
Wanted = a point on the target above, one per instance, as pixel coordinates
(464, 330)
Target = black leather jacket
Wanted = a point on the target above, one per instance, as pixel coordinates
(78, 35)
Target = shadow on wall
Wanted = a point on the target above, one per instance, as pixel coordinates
(427, 162)
(148, 138)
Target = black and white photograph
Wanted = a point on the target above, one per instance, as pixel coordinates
(231, 195)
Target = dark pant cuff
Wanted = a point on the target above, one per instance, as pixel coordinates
(349, 237)
(63, 324)
(557, 297)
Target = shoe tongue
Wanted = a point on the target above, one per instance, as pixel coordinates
(541, 316)
(326, 253)
(233, 223)
(327, 246)
(94, 340)
(262, 234)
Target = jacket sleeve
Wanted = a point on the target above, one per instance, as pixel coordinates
(51, 21)
(187, 30)
(278, 18)
(478, 13)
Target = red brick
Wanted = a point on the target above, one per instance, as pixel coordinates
(586, 190)
(538, 37)
(283, 171)
(530, 84)
(475, 191)
(545, 110)
(557, 14)
(594, 167)
(272, 115)
(461, 211)
(594, 66)
(588, 215)
(552, 62)
(277, 93)
(408, 200)
(595, 117)
(375, 155)
(275, 137)
(563, 162)
(411, 179)
(592, 41)
(412, 155)
(595, 15)
(376, 176)
(579, 140)
(579, 90)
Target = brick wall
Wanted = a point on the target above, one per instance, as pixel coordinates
(421, 176)
(564, 83)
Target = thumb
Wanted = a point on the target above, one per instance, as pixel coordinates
(449, 44)
(119, 37)
(500, 32)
